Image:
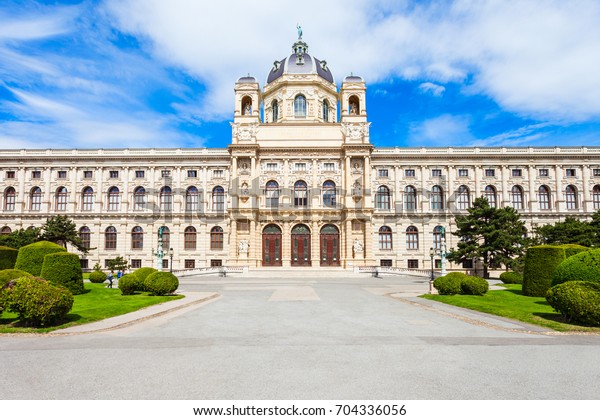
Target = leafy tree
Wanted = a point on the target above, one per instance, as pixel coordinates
(62, 230)
(117, 264)
(571, 231)
(495, 236)
(21, 237)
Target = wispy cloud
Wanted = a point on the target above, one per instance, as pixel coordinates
(445, 130)
(432, 88)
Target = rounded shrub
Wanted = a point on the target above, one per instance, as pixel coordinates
(8, 257)
(36, 301)
(577, 301)
(64, 269)
(472, 285)
(142, 273)
(161, 283)
(449, 284)
(540, 263)
(11, 274)
(573, 249)
(511, 277)
(128, 284)
(31, 257)
(97, 277)
(584, 266)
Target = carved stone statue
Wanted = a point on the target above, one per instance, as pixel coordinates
(243, 246)
(358, 246)
(353, 109)
(248, 109)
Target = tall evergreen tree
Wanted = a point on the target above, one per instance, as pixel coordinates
(571, 231)
(62, 230)
(494, 236)
(21, 237)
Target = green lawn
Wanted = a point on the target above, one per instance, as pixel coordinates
(98, 303)
(511, 303)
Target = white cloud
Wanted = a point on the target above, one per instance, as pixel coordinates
(432, 88)
(445, 130)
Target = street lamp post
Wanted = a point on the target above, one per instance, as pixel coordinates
(171, 258)
(431, 254)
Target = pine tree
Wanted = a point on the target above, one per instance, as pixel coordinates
(62, 230)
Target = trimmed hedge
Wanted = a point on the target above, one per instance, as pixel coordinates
(540, 263)
(584, 266)
(573, 249)
(36, 301)
(97, 277)
(161, 283)
(511, 277)
(449, 284)
(8, 257)
(11, 274)
(64, 269)
(128, 284)
(31, 257)
(142, 273)
(474, 286)
(577, 301)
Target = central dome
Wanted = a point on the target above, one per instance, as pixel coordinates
(300, 62)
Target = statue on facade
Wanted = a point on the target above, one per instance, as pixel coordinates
(243, 246)
(299, 28)
(358, 246)
(247, 109)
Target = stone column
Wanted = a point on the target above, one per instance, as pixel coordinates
(586, 204)
(347, 186)
(368, 194)
(233, 241)
(532, 193)
(100, 193)
(286, 254)
(21, 205)
(315, 249)
(559, 190)
(505, 199)
(48, 196)
(73, 194)
(347, 232)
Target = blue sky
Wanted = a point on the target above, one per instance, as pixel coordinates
(158, 73)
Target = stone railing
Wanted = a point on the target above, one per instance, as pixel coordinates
(378, 270)
(221, 271)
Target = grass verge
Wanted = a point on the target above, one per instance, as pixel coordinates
(510, 303)
(97, 303)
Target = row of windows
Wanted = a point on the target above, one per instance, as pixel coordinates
(463, 197)
(412, 238)
(488, 172)
(272, 193)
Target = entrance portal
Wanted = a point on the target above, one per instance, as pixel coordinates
(271, 245)
(300, 246)
(330, 246)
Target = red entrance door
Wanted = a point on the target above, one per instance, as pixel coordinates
(300, 249)
(330, 246)
(271, 246)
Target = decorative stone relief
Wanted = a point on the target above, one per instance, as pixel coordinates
(356, 131)
(244, 132)
(243, 246)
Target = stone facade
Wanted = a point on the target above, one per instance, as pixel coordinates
(299, 185)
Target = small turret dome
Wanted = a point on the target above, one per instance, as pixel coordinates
(300, 62)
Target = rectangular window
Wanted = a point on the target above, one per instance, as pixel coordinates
(165, 263)
(329, 166)
(571, 172)
(84, 263)
(218, 173)
(300, 167)
(436, 173)
(409, 173)
(88, 174)
(596, 172)
(216, 263)
(36, 174)
(10, 174)
(385, 263)
(543, 172)
(140, 174)
(272, 167)
(190, 263)
(113, 174)
(106, 262)
(463, 172)
(490, 172)
(165, 173)
(517, 172)
(192, 173)
(438, 263)
(136, 263)
(62, 174)
(413, 263)
(383, 173)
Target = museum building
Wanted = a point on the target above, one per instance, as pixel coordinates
(300, 185)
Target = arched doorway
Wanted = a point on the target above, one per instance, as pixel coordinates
(330, 246)
(300, 245)
(271, 244)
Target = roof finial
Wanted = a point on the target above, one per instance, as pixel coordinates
(299, 31)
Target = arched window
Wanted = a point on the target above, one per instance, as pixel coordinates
(218, 199)
(325, 110)
(490, 194)
(166, 238)
(139, 198)
(300, 194)
(166, 199)
(410, 198)
(437, 198)
(216, 238)
(114, 197)
(300, 106)
(5, 231)
(382, 198)
(35, 199)
(85, 235)
(544, 197)
(189, 238)
(110, 238)
(353, 105)
(463, 198)
(571, 198)
(412, 238)
(10, 196)
(137, 238)
(191, 199)
(596, 197)
(272, 194)
(329, 194)
(60, 199)
(385, 237)
(87, 199)
(437, 237)
(275, 107)
(517, 197)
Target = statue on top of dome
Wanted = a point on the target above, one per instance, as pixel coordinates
(299, 31)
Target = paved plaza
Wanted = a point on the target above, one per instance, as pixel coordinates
(303, 335)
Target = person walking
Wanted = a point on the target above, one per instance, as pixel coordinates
(110, 279)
